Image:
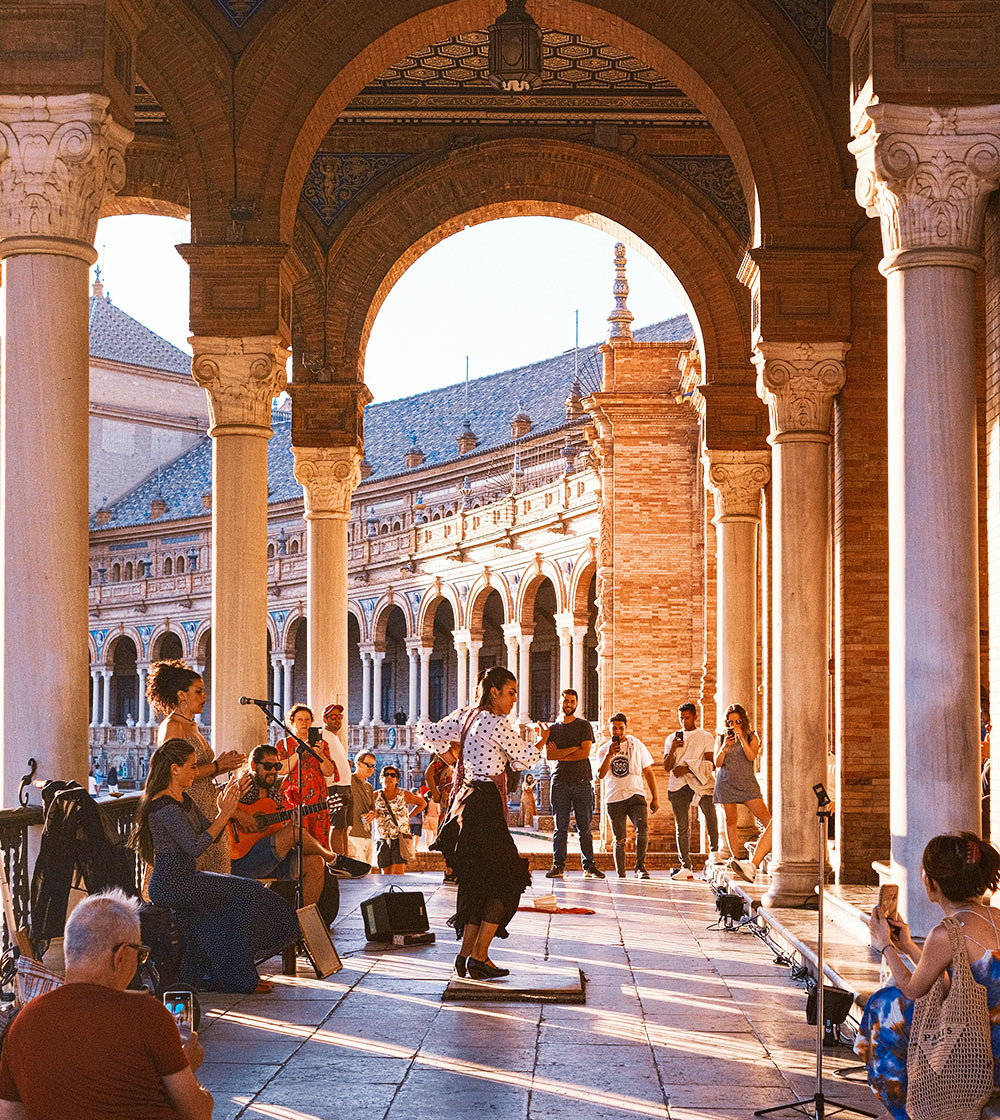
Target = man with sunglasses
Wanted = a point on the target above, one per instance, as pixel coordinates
(362, 808)
(123, 1057)
(273, 855)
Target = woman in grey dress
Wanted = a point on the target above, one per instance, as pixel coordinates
(736, 785)
(177, 693)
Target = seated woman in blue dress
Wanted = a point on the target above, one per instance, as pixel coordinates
(229, 922)
(958, 869)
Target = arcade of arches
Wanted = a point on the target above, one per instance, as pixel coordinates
(847, 421)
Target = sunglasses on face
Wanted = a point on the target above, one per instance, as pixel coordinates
(389, 774)
(141, 951)
(269, 765)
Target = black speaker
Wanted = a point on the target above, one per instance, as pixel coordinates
(394, 911)
(329, 899)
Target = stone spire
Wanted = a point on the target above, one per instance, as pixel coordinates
(98, 291)
(620, 318)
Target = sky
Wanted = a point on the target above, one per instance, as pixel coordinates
(503, 293)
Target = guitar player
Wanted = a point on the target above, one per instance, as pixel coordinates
(272, 856)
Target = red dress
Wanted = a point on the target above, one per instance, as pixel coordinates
(313, 789)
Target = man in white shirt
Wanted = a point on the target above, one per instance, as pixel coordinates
(687, 758)
(624, 764)
(340, 784)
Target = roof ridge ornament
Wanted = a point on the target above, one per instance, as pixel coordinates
(620, 318)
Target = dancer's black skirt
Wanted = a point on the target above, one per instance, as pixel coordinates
(476, 843)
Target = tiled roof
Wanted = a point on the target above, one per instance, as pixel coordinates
(540, 389)
(118, 337)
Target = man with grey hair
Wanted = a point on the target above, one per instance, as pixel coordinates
(125, 1059)
(362, 808)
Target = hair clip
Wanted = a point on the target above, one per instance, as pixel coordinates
(972, 851)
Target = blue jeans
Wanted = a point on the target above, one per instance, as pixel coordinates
(578, 797)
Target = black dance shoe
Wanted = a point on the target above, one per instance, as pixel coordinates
(460, 965)
(483, 970)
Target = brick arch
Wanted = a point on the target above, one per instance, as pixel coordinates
(380, 617)
(481, 591)
(497, 179)
(428, 608)
(359, 617)
(576, 596)
(108, 653)
(527, 589)
(286, 640)
(768, 99)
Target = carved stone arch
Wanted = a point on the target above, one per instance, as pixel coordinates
(770, 101)
(286, 639)
(359, 616)
(380, 616)
(579, 585)
(309, 298)
(198, 646)
(528, 587)
(108, 653)
(155, 182)
(156, 637)
(429, 605)
(411, 214)
(92, 651)
(481, 591)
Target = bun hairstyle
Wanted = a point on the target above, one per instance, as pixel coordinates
(962, 865)
(489, 681)
(166, 679)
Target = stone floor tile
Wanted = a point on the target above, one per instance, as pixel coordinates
(464, 1089)
(322, 1098)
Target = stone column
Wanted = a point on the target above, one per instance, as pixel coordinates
(378, 656)
(462, 672)
(106, 717)
(328, 476)
(241, 377)
(425, 681)
(736, 479)
(59, 157)
(564, 632)
(142, 716)
(511, 633)
(797, 382)
(524, 677)
(95, 697)
(579, 633)
(927, 174)
(288, 689)
(366, 687)
(416, 683)
(276, 679)
(474, 648)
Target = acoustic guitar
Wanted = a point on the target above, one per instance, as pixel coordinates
(269, 818)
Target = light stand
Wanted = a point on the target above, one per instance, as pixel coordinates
(818, 1105)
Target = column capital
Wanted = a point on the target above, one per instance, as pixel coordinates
(59, 157)
(736, 479)
(241, 376)
(328, 476)
(511, 630)
(461, 638)
(798, 381)
(926, 174)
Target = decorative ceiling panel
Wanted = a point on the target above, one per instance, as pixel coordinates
(335, 178)
(239, 11)
(716, 178)
(809, 18)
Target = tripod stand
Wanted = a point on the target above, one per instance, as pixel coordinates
(818, 1106)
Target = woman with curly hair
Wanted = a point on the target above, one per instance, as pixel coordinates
(177, 694)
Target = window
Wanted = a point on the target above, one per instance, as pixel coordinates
(270, 552)
(168, 567)
(116, 572)
(293, 548)
(128, 570)
(179, 565)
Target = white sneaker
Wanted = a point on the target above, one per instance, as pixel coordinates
(714, 860)
(682, 873)
(744, 869)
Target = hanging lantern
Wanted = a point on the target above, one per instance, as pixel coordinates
(515, 59)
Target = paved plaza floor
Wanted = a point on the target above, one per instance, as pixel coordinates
(679, 1022)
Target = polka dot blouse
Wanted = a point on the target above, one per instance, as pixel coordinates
(490, 742)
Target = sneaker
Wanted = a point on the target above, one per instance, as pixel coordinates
(554, 873)
(621, 874)
(682, 873)
(641, 873)
(743, 869)
(714, 859)
(593, 872)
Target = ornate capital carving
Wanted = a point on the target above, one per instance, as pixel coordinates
(798, 381)
(59, 157)
(241, 376)
(736, 479)
(328, 476)
(926, 173)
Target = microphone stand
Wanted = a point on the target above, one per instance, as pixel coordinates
(301, 749)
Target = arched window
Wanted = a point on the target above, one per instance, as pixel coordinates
(435, 517)
(384, 529)
(116, 572)
(270, 551)
(293, 548)
(397, 526)
(90, 576)
(128, 570)
(180, 565)
(168, 567)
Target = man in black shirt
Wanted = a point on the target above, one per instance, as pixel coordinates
(569, 745)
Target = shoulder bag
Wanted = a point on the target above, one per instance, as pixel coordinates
(407, 842)
(949, 1063)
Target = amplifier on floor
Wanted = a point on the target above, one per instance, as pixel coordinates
(394, 911)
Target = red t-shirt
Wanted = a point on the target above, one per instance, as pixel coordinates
(91, 1053)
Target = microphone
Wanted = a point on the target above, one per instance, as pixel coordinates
(263, 703)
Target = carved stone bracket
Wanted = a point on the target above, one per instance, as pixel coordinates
(242, 376)
(927, 173)
(736, 479)
(328, 476)
(59, 157)
(798, 381)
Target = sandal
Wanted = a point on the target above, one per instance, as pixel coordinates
(263, 987)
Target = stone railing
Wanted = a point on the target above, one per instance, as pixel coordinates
(187, 586)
